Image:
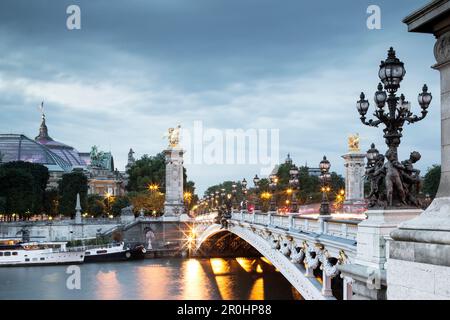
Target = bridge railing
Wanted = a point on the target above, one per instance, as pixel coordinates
(346, 229)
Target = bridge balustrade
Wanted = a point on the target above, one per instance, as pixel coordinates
(346, 229)
(307, 241)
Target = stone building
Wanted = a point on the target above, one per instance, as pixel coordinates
(61, 158)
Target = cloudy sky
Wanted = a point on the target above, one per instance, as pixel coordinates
(137, 67)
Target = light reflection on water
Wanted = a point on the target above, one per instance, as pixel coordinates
(197, 279)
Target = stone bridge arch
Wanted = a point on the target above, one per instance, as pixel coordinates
(308, 287)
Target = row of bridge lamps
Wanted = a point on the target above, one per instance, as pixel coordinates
(220, 198)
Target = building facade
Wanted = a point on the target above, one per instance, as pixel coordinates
(61, 158)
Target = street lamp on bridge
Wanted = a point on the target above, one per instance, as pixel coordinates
(401, 179)
(244, 194)
(294, 183)
(325, 177)
(234, 196)
(273, 187)
(256, 181)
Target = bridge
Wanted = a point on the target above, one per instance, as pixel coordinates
(306, 249)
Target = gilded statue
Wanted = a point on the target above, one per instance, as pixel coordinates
(174, 136)
(353, 143)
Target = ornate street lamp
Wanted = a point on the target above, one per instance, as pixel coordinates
(372, 155)
(273, 188)
(294, 183)
(222, 196)
(398, 111)
(234, 195)
(216, 199)
(244, 194)
(393, 117)
(325, 177)
(256, 182)
(211, 201)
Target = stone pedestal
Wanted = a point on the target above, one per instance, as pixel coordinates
(174, 202)
(419, 262)
(374, 232)
(127, 215)
(354, 181)
(369, 268)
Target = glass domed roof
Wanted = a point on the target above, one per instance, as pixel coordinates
(64, 151)
(17, 147)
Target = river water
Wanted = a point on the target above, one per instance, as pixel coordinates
(168, 278)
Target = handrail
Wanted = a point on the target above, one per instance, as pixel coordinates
(340, 228)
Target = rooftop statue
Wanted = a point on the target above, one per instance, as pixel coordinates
(353, 143)
(173, 136)
(97, 157)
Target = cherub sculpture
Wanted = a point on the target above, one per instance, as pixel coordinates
(411, 178)
(393, 178)
(376, 174)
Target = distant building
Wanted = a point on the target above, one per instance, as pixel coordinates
(60, 158)
(288, 161)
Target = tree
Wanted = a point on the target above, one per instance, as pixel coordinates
(38, 180)
(431, 180)
(51, 202)
(337, 183)
(145, 171)
(95, 205)
(149, 171)
(149, 201)
(118, 204)
(69, 185)
(16, 189)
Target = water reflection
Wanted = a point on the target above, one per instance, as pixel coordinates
(197, 279)
(257, 292)
(195, 284)
(151, 281)
(107, 285)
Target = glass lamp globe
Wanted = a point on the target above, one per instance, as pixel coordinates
(372, 153)
(391, 72)
(324, 165)
(380, 96)
(362, 105)
(424, 97)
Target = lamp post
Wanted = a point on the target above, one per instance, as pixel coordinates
(222, 196)
(256, 182)
(393, 117)
(273, 188)
(374, 160)
(211, 201)
(325, 177)
(294, 183)
(234, 204)
(244, 194)
(216, 199)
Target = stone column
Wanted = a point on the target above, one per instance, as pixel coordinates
(174, 202)
(419, 261)
(326, 285)
(348, 290)
(354, 182)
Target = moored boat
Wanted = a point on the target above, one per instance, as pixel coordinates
(16, 253)
(116, 251)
